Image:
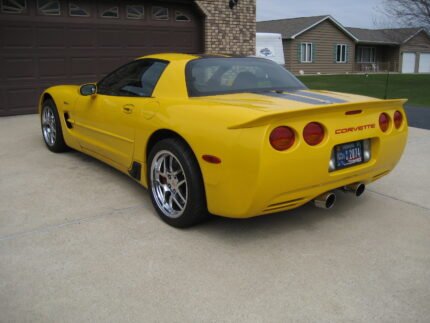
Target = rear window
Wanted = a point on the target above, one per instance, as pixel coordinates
(211, 76)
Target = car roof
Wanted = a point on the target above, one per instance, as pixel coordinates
(181, 56)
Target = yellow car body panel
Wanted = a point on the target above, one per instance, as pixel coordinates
(253, 178)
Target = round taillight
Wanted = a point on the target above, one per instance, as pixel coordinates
(384, 122)
(313, 133)
(398, 119)
(282, 138)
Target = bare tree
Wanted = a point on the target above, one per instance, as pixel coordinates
(410, 13)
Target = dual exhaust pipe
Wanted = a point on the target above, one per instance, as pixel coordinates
(327, 200)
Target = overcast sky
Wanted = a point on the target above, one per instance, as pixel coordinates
(350, 13)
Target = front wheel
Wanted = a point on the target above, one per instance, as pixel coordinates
(51, 127)
(175, 184)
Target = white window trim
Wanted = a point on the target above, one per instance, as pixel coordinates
(307, 46)
(40, 13)
(129, 17)
(343, 50)
(360, 55)
(154, 17)
(108, 9)
(23, 10)
(72, 15)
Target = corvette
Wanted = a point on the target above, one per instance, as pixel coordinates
(229, 136)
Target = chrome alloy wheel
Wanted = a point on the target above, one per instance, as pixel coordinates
(49, 125)
(169, 184)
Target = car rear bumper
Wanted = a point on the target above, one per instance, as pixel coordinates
(275, 184)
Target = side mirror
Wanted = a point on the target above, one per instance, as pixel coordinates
(88, 89)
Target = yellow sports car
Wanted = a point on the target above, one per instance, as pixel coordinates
(230, 136)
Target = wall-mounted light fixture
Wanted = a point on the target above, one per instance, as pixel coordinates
(232, 3)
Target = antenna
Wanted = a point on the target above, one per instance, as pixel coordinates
(387, 83)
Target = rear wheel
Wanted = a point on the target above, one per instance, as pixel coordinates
(51, 127)
(175, 184)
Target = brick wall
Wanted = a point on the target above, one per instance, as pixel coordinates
(229, 30)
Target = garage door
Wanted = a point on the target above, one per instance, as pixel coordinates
(424, 66)
(47, 42)
(408, 64)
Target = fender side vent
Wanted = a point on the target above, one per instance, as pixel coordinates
(66, 119)
(135, 170)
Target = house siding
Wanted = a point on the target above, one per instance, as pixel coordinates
(324, 36)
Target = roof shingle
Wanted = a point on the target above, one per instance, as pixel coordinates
(288, 28)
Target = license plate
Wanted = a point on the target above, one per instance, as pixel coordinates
(349, 154)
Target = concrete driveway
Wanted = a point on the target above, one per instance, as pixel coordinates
(80, 242)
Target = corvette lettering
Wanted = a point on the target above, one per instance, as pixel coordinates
(354, 129)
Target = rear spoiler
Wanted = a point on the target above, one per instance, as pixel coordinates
(271, 116)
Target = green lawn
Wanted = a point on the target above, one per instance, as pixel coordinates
(416, 88)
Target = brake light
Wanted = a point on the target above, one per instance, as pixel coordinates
(282, 138)
(313, 133)
(398, 119)
(384, 122)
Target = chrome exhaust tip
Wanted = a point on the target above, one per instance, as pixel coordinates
(325, 201)
(356, 189)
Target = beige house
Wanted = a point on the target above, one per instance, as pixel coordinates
(322, 45)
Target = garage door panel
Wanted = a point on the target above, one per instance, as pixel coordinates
(83, 67)
(135, 38)
(107, 64)
(52, 67)
(19, 68)
(3, 105)
(161, 39)
(424, 66)
(182, 39)
(51, 37)
(20, 101)
(408, 63)
(16, 37)
(109, 38)
(82, 38)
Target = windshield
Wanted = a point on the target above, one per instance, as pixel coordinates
(210, 76)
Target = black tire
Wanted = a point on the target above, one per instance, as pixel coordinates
(57, 145)
(195, 209)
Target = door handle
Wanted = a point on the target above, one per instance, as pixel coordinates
(128, 108)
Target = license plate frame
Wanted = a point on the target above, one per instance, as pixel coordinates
(349, 154)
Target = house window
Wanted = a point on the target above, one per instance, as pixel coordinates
(112, 12)
(49, 7)
(160, 13)
(366, 55)
(180, 16)
(13, 6)
(341, 53)
(306, 52)
(77, 11)
(135, 12)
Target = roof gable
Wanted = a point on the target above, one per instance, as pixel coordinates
(294, 27)
(396, 36)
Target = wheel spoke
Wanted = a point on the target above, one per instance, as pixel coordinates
(168, 191)
(178, 193)
(181, 207)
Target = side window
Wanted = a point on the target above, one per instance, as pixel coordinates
(138, 78)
